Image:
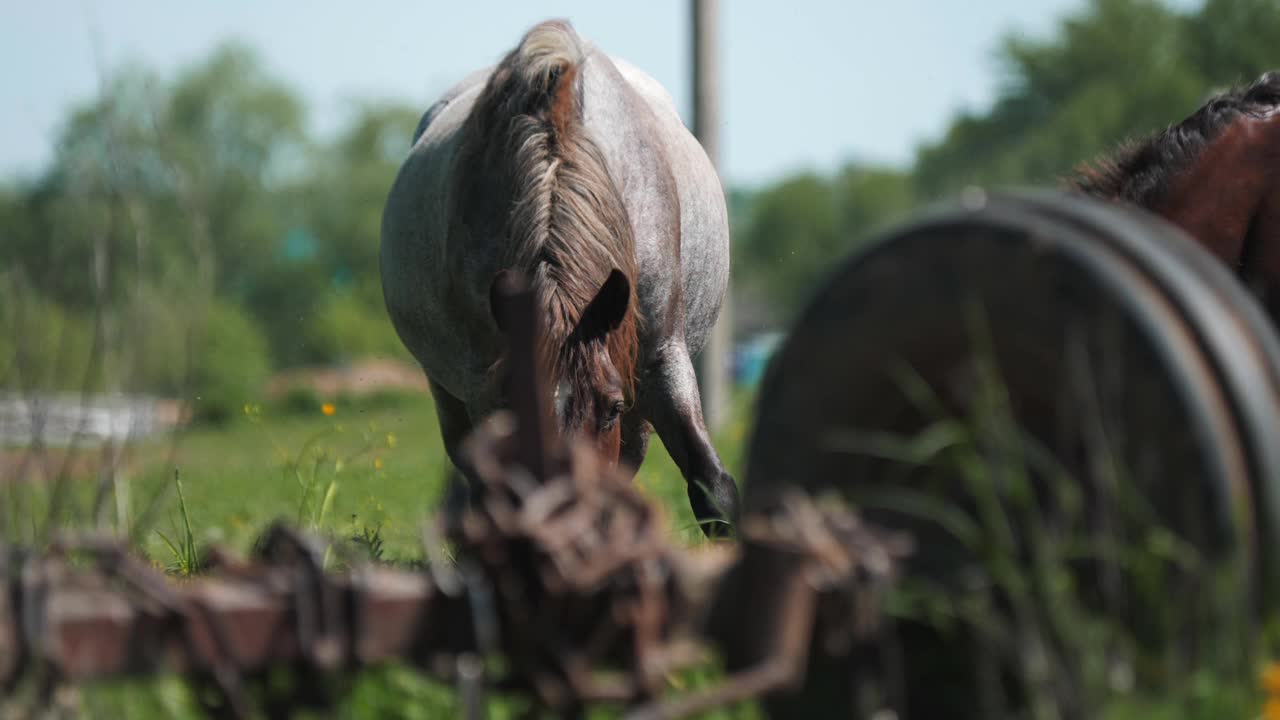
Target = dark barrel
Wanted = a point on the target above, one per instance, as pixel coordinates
(1026, 378)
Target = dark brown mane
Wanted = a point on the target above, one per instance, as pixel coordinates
(566, 224)
(1140, 171)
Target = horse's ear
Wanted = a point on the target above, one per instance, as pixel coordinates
(505, 284)
(607, 309)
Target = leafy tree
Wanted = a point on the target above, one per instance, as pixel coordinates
(870, 198)
(1113, 70)
(792, 232)
(236, 139)
(796, 228)
(352, 178)
(346, 326)
(231, 366)
(44, 346)
(344, 202)
(1117, 68)
(208, 185)
(1234, 41)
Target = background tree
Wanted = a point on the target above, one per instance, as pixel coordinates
(1113, 70)
(174, 199)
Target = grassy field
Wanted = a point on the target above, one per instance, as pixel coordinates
(341, 469)
(372, 467)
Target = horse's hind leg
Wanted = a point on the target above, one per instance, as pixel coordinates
(455, 426)
(672, 404)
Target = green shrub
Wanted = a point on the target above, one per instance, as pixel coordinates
(44, 346)
(346, 325)
(163, 338)
(298, 399)
(230, 363)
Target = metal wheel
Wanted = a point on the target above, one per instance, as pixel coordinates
(1024, 365)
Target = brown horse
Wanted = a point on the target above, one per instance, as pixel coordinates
(1216, 175)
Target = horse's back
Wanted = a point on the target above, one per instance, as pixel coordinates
(703, 218)
(467, 86)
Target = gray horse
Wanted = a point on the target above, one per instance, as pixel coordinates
(573, 168)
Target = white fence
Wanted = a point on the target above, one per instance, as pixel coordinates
(63, 419)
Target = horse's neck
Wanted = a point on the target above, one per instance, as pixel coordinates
(1217, 196)
(1263, 241)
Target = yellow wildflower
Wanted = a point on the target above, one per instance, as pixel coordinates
(1271, 681)
(377, 463)
(1271, 710)
(328, 409)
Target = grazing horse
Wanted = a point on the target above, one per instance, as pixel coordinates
(1216, 175)
(574, 169)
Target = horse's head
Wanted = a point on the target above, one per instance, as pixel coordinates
(590, 365)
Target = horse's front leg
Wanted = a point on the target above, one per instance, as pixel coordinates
(455, 426)
(673, 405)
(635, 441)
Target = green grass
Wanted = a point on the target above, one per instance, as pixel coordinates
(334, 475)
(183, 548)
(355, 472)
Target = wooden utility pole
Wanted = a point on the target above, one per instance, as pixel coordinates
(713, 365)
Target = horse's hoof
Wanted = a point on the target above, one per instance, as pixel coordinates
(716, 506)
(457, 496)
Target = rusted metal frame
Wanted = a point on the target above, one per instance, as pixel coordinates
(522, 323)
(795, 560)
(82, 627)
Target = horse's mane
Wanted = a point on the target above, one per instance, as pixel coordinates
(1139, 171)
(567, 227)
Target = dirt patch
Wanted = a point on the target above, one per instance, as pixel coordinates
(361, 378)
(48, 464)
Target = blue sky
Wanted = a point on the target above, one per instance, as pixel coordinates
(805, 83)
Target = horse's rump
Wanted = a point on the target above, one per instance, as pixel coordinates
(567, 227)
